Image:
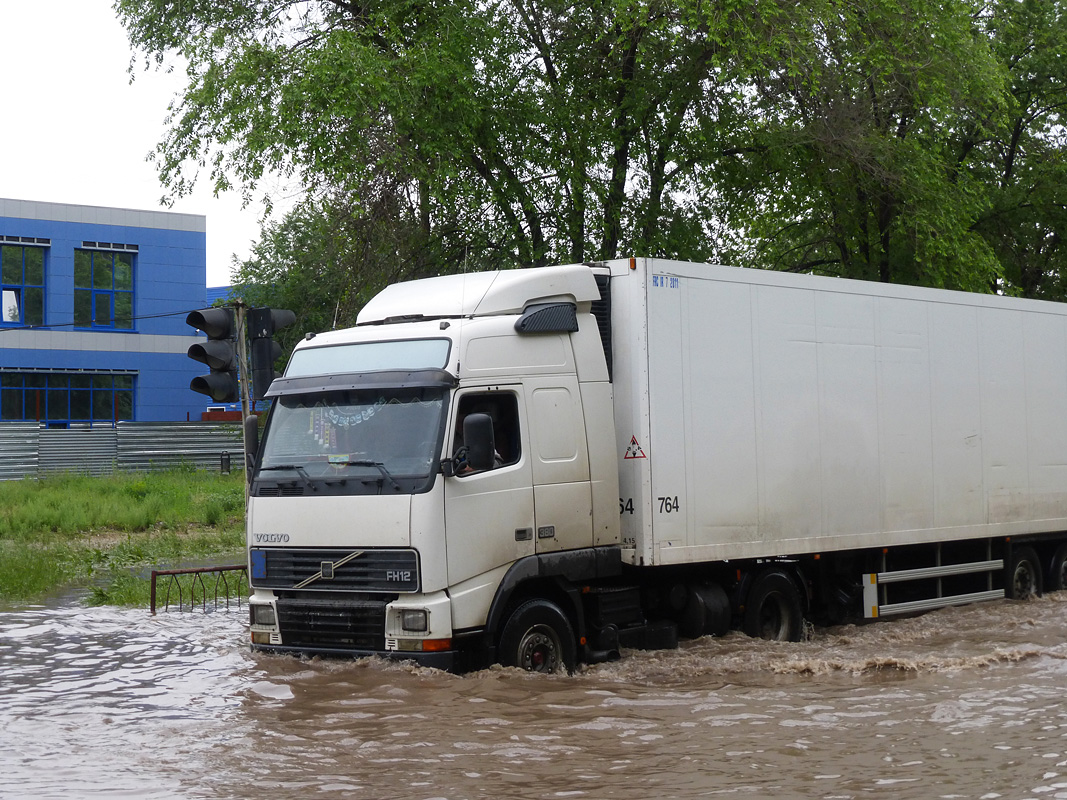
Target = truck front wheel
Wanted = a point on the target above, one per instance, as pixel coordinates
(538, 637)
(773, 609)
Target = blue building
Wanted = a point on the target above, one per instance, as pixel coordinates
(93, 313)
(216, 293)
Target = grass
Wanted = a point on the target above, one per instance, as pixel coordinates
(108, 533)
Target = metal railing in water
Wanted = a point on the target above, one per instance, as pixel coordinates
(196, 589)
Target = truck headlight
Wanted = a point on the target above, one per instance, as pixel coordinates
(263, 615)
(414, 620)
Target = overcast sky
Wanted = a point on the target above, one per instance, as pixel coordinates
(74, 130)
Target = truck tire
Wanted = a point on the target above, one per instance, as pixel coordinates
(538, 637)
(773, 609)
(1058, 574)
(1024, 575)
(707, 612)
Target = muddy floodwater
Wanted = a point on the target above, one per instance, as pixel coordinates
(960, 703)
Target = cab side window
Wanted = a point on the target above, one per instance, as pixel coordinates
(503, 409)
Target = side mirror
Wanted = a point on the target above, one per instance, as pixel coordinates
(479, 440)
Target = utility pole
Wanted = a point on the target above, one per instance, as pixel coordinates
(246, 380)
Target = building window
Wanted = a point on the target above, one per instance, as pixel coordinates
(61, 398)
(103, 289)
(22, 277)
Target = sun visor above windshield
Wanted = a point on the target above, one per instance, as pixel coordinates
(480, 294)
(392, 379)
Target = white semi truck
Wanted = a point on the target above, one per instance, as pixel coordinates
(542, 466)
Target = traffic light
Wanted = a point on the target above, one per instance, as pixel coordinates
(219, 352)
(262, 323)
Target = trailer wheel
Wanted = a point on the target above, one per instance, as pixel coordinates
(538, 637)
(773, 609)
(1058, 575)
(1024, 576)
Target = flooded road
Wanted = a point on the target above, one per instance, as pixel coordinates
(960, 703)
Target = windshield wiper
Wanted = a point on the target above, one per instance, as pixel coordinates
(299, 470)
(381, 468)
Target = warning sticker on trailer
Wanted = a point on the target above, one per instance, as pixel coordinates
(634, 450)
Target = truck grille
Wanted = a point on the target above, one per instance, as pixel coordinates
(349, 625)
(335, 569)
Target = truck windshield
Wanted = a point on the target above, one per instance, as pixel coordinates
(355, 441)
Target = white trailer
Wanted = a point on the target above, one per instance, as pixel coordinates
(543, 466)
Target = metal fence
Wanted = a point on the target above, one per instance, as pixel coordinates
(27, 450)
(204, 588)
(18, 450)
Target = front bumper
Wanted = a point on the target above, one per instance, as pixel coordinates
(448, 660)
(357, 626)
(473, 651)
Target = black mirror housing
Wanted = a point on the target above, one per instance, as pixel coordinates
(480, 442)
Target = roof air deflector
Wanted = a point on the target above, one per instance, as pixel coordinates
(548, 318)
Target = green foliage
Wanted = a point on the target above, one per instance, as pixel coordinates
(506, 133)
(68, 529)
(325, 260)
(30, 571)
(862, 106)
(892, 140)
(1025, 165)
(71, 505)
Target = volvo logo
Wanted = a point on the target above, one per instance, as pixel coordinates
(271, 537)
(327, 569)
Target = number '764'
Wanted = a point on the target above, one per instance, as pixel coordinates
(668, 504)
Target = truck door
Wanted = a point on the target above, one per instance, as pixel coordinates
(560, 461)
(489, 515)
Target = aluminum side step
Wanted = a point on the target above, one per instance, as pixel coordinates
(871, 581)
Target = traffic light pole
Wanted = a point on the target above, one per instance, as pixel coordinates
(233, 377)
(245, 381)
(242, 356)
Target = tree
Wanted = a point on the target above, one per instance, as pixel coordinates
(888, 140)
(853, 168)
(326, 259)
(910, 143)
(528, 130)
(1025, 165)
